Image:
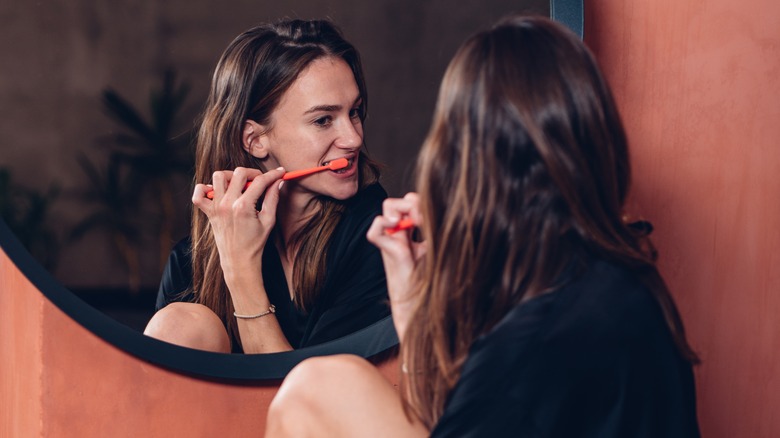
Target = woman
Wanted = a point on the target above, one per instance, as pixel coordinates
(280, 265)
(530, 308)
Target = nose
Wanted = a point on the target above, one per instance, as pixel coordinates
(350, 136)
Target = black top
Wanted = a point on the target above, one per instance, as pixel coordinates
(591, 359)
(354, 293)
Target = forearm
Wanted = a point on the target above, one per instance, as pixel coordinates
(262, 334)
(400, 254)
(402, 314)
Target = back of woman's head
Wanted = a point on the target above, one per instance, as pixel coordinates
(525, 169)
(526, 145)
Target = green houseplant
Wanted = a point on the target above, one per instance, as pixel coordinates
(26, 212)
(133, 196)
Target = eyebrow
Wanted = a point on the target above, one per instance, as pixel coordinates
(325, 108)
(329, 108)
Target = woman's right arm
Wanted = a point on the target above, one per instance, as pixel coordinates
(399, 255)
(241, 233)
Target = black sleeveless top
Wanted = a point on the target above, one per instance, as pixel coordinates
(354, 294)
(594, 358)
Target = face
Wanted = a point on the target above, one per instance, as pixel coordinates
(315, 122)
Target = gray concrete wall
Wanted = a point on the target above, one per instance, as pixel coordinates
(58, 55)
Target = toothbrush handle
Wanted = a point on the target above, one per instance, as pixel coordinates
(403, 224)
(210, 193)
(287, 176)
(299, 173)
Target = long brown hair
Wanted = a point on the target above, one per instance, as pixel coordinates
(251, 77)
(525, 165)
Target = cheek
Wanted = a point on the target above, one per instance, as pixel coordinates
(270, 163)
(310, 142)
(359, 129)
(295, 148)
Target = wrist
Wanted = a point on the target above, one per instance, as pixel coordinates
(248, 297)
(251, 306)
(241, 277)
(239, 269)
(271, 310)
(401, 310)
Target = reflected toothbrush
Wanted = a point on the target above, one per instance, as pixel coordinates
(336, 164)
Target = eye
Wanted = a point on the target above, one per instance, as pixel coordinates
(354, 113)
(323, 122)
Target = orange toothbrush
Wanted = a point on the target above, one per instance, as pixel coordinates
(337, 164)
(403, 224)
(333, 165)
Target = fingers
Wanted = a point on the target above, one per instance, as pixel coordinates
(219, 181)
(413, 200)
(377, 232)
(267, 214)
(209, 191)
(239, 230)
(199, 196)
(404, 211)
(394, 212)
(233, 185)
(261, 182)
(236, 180)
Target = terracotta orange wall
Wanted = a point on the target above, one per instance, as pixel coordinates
(58, 379)
(20, 365)
(698, 83)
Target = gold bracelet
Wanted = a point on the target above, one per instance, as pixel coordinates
(270, 310)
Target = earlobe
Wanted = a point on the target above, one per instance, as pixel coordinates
(254, 139)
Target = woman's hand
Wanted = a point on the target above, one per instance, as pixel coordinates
(399, 254)
(240, 231)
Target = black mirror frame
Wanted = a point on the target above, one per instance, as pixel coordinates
(367, 342)
(570, 13)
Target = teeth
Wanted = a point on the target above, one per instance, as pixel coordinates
(349, 164)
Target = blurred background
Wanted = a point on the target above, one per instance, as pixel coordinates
(99, 100)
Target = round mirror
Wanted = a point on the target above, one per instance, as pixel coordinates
(405, 49)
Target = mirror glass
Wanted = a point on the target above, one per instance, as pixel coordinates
(103, 236)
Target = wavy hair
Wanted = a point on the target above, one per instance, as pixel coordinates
(526, 165)
(250, 79)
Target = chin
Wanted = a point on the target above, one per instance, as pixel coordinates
(344, 193)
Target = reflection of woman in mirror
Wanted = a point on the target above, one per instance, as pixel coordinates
(531, 308)
(280, 265)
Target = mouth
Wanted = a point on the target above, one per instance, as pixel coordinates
(350, 161)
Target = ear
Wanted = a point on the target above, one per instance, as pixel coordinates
(255, 139)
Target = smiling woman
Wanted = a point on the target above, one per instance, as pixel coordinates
(366, 341)
(276, 269)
